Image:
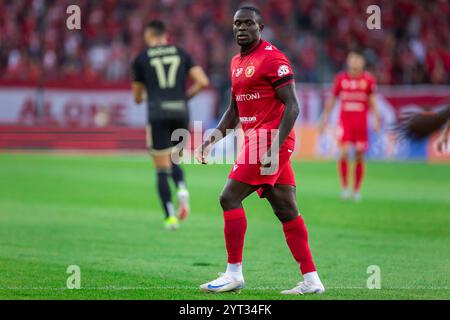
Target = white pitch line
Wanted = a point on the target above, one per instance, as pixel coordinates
(195, 288)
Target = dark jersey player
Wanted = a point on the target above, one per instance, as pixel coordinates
(161, 70)
(264, 102)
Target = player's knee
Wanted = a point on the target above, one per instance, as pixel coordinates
(344, 155)
(228, 201)
(162, 162)
(344, 152)
(359, 156)
(286, 212)
(225, 200)
(286, 215)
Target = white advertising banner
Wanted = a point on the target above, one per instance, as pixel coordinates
(86, 108)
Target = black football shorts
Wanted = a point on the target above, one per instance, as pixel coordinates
(159, 134)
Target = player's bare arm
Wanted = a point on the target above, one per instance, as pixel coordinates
(374, 108)
(138, 92)
(230, 120)
(443, 139)
(291, 111)
(326, 113)
(200, 81)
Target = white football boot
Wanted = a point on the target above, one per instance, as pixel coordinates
(183, 204)
(346, 194)
(223, 284)
(306, 288)
(357, 197)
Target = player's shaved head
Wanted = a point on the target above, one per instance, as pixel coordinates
(255, 11)
(247, 26)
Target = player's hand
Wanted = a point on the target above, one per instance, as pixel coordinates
(202, 152)
(442, 144)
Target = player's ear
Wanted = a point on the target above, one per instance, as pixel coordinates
(261, 27)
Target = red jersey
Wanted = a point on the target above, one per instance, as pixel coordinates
(255, 75)
(354, 94)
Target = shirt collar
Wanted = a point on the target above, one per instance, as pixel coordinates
(252, 49)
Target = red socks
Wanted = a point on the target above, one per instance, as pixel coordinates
(294, 231)
(359, 174)
(297, 240)
(343, 171)
(235, 227)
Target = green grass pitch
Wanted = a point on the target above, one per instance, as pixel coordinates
(102, 214)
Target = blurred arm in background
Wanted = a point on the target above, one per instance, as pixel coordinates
(443, 139)
(200, 81)
(374, 108)
(326, 113)
(138, 92)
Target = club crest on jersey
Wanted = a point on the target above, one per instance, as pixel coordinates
(283, 70)
(250, 71)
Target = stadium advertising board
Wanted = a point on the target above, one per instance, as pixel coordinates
(106, 108)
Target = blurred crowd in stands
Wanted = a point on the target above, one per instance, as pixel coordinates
(412, 47)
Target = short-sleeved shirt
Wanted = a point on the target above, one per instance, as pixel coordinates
(164, 71)
(255, 76)
(354, 93)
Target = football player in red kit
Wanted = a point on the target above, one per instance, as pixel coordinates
(264, 102)
(355, 89)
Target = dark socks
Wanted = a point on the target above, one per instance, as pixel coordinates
(178, 176)
(164, 192)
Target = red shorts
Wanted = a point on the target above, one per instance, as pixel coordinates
(355, 134)
(248, 170)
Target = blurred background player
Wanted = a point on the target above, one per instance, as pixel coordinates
(162, 70)
(262, 98)
(356, 90)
